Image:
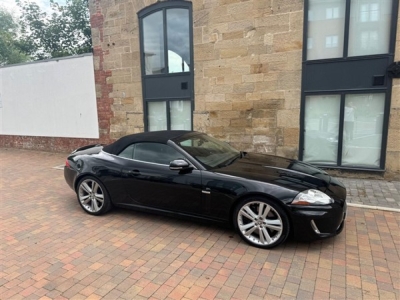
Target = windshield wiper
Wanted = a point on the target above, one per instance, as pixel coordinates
(230, 161)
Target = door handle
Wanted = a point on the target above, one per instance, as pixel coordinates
(134, 172)
(206, 191)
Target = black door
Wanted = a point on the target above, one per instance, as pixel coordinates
(158, 187)
(149, 182)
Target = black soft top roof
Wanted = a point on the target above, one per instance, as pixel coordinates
(152, 136)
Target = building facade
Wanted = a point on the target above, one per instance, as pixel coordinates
(308, 79)
(303, 79)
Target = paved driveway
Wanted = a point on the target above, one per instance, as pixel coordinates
(51, 249)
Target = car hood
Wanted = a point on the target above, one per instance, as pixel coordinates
(281, 171)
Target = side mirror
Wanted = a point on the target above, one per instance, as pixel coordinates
(179, 164)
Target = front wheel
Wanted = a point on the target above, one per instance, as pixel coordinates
(261, 223)
(92, 196)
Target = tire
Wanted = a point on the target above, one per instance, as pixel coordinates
(93, 196)
(261, 222)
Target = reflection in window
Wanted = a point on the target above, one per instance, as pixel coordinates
(369, 31)
(326, 28)
(155, 153)
(309, 43)
(153, 37)
(176, 63)
(332, 13)
(369, 12)
(331, 41)
(362, 132)
(181, 115)
(369, 41)
(157, 116)
(127, 152)
(178, 40)
(321, 129)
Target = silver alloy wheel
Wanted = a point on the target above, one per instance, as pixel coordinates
(260, 223)
(91, 195)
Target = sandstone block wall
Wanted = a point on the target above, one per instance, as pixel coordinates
(248, 73)
(393, 147)
(247, 70)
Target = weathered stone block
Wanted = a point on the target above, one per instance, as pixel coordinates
(288, 41)
(274, 23)
(230, 114)
(288, 118)
(210, 106)
(134, 119)
(222, 88)
(215, 98)
(216, 71)
(291, 136)
(204, 52)
(243, 105)
(253, 77)
(292, 99)
(247, 87)
(241, 122)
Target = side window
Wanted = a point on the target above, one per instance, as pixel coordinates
(127, 152)
(155, 153)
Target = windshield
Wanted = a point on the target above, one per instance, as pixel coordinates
(210, 152)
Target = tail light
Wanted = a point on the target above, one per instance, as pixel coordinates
(67, 164)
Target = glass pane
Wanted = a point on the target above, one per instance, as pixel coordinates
(325, 29)
(178, 40)
(155, 153)
(127, 152)
(157, 115)
(321, 129)
(369, 27)
(153, 36)
(181, 115)
(362, 136)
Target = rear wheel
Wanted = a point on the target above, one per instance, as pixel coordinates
(261, 222)
(92, 196)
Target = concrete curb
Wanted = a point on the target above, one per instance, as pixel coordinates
(374, 207)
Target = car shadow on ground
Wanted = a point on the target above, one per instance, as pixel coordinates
(143, 223)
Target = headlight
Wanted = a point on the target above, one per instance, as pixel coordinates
(312, 197)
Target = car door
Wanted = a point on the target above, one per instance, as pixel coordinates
(149, 182)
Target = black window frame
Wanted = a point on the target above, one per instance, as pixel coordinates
(164, 6)
(386, 89)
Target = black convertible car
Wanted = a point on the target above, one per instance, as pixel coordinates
(191, 174)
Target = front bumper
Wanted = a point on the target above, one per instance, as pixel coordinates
(318, 222)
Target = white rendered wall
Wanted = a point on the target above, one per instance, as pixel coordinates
(54, 98)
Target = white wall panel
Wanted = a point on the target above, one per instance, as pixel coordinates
(54, 98)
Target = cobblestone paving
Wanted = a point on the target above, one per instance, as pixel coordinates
(51, 249)
(373, 192)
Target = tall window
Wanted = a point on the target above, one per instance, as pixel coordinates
(167, 65)
(362, 118)
(366, 19)
(348, 45)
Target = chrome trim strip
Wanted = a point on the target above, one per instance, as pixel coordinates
(146, 162)
(314, 227)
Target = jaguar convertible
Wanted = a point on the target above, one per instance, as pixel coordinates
(190, 174)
